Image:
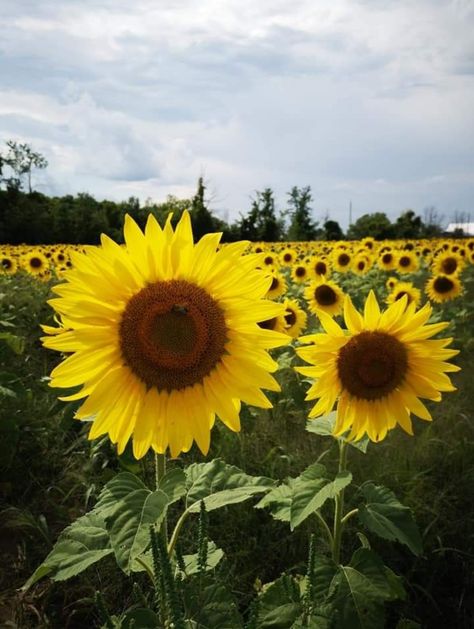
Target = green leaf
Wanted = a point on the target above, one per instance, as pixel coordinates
(307, 497)
(279, 499)
(219, 484)
(9, 436)
(15, 343)
(384, 515)
(140, 618)
(80, 545)
(114, 491)
(324, 572)
(280, 605)
(130, 522)
(214, 555)
(210, 605)
(324, 426)
(359, 591)
(173, 484)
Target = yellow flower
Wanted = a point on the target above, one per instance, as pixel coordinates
(295, 318)
(165, 336)
(407, 262)
(342, 260)
(404, 289)
(8, 264)
(378, 369)
(277, 286)
(447, 264)
(36, 263)
(324, 295)
(441, 288)
(299, 273)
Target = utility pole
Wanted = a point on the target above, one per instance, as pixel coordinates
(350, 213)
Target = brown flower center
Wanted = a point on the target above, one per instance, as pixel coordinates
(325, 295)
(172, 334)
(268, 324)
(343, 259)
(372, 364)
(387, 258)
(404, 261)
(320, 268)
(6, 263)
(449, 265)
(300, 271)
(290, 317)
(443, 285)
(275, 283)
(287, 257)
(36, 263)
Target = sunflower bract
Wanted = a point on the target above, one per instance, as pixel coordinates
(164, 335)
(378, 369)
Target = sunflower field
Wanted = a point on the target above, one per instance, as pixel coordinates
(237, 436)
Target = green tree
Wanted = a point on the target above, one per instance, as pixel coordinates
(302, 226)
(201, 218)
(332, 231)
(376, 225)
(408, 225)
(262, 223)
(21, 159)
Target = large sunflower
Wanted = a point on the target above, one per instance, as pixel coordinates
(441, 288)
(377, 369)
(165, 336)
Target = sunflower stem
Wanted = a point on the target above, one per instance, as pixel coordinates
(160, 471)
(339, 508)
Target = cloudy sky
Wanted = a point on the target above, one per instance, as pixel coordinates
(369, 101)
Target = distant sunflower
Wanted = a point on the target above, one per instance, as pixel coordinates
(391, 282)
(441, 288)
(277, 287)
(299, 273)
(295, 318)
(319, 267)
(165, 336)
(404, 289)
(360, 264)
(322, 294)
(387, 261)
(8, 264)
(377, 369)
(447, 264)
(287, 257)
(35, 262)
(342, 260)
(407, 262)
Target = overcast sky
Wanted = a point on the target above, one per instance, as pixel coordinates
(370, 101)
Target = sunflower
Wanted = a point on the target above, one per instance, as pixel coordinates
(165, 336)
(387, 261)
(287, 256)
(319, 267)
(447, 264)
(407, 262)
(377, 369)
(35, 263)
(391, 282)
(299, 273)
(295, 318)
(342, 260)
(277, 287)
(404, 289)
(322, 294)
(361, 264)
(8, 264)
(441, 288)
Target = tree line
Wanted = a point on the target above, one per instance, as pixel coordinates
(30, 217)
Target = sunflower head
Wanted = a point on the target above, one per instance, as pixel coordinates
(404, 290)
(407, 262)
(448, 263)
(300, 273)
(324, 295)
(378, 369)
(295, 318)
(164, 335)
(278, 285)
(441, 288)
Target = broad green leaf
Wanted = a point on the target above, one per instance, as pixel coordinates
(281, 604)
(214, 555)
(114, 491)
(307, 497)
(324, 427)
(219, 484)
(324, 572)
(279, 499)
(80, 545)
(209, 605)
(173, 484)
(359, 591)
(15, 343)
(130, 523)
(384, 515)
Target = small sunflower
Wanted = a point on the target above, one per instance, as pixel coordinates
(407, 262)
(404, 289)
(324, 295)
(447, 264)
(8, 264)
(387, 261)
(277, 287)
(361, 264)
(299, 273)
(391, 282)
(295, 318)
(164, 335)
(441, 288)
(378, 369)
(342, 260)
(319, 267)
(287, 257)
(35, 263)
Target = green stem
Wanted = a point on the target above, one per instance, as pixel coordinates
(338, 524)
(175, 534)
(326, 528)
(160, 471)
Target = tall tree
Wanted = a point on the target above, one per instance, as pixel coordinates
(302, 226)
(21, 159)
(332, 231)
(202, 219)
(262, 223)
(408, 225)
(377, 225)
